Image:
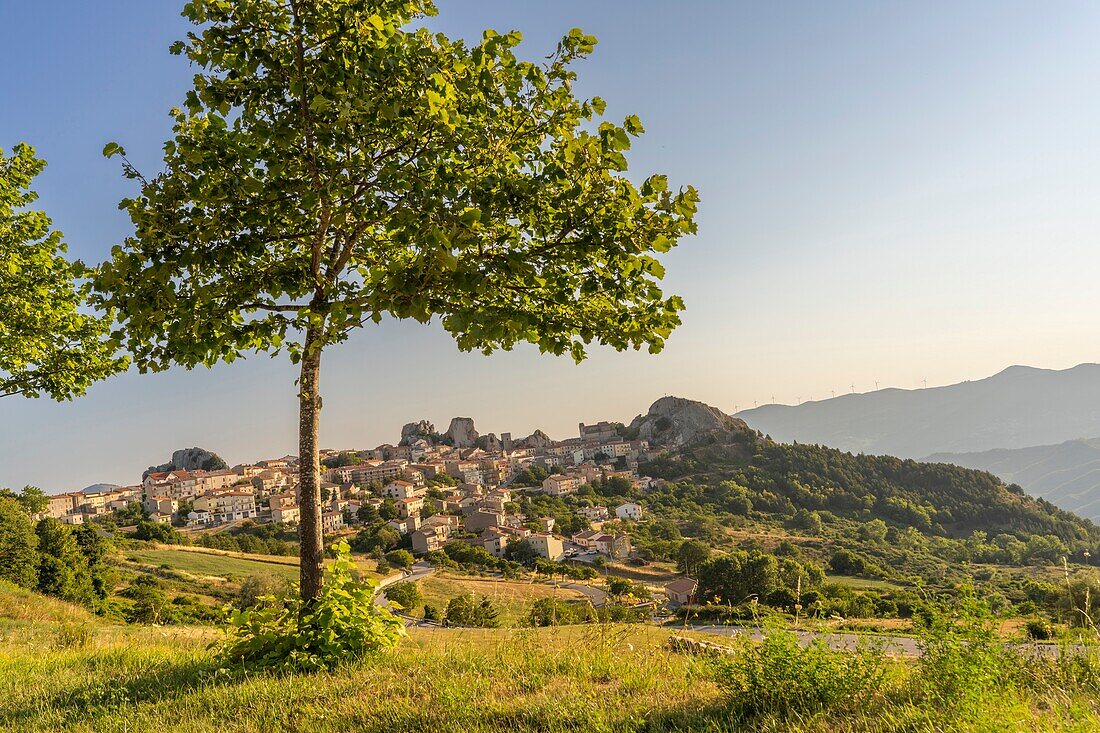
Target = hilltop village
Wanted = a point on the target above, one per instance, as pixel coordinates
(431, 488)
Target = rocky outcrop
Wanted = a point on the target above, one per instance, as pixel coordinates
(674, 422)
(190, 459)
(415, 431)
(489, 443)
(461, 433)
(537, 439)
(697, 647)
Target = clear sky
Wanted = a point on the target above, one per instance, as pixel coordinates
(892, 191)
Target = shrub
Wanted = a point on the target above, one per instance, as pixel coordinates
(342, 625)
(556, 612)
(156, 532)
(400, 559)
(963, 663)
(471, 611)
(1039, 630)
(405, 594)
(261, 589)
(150, 602)
(778, 676)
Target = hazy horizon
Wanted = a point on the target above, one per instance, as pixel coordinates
(891, 193)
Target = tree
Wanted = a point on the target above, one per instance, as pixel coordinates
(468, 610)
(522, 552)
(62, 567)
(405, 594)
(157, 532)
(94, 548)
(336, 163)
(690, 555)
(738, 576)
(402, 559)
(34, 500)
(367, 514)
(47, 344)
(807, 520)
(18, 543)
(873, 531)
(387, 510)
(150, 601)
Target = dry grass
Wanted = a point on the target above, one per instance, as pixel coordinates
(513, 598)
(80, 675)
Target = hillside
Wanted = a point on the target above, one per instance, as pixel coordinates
(934, 498)
(1066, 474)
(1016, 408)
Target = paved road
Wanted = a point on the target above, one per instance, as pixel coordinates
(597, 596)
(905, 646)
(419, 570)
(897, 645)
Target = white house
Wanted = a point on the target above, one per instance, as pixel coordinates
(629, 510)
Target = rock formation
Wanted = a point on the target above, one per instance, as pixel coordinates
(461, 433)
(190, 459)
(490, 443)
(415, 431)
(537, 439)
(674, 422)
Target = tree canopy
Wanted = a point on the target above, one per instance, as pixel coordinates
(332, 166)
(48, 343)
(337, 163)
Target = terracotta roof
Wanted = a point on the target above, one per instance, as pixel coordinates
(682, 585)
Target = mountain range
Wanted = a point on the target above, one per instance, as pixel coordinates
(1033, 427)
(1020, 407)
(1066, 474)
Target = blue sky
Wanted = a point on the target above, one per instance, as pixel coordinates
(891, 191)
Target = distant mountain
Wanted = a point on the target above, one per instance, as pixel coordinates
(1067, 474)
(1017, 408)
(98, 488)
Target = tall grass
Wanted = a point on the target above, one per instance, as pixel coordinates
(599, 677)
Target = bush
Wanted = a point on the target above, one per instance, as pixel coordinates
(471, 611)
(778, 676)
(341, 626)
(260, 589)
(405, 594)
(964, 665)
(402, 559)
(556, 612)
(1039, 630)
(150, 602)
(156, 532)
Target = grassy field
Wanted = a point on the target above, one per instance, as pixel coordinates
(220, 564)
(513, 598)
(861, 583)
(61, 669)
(215, 565)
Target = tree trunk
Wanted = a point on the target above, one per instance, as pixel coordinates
(312, 553)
